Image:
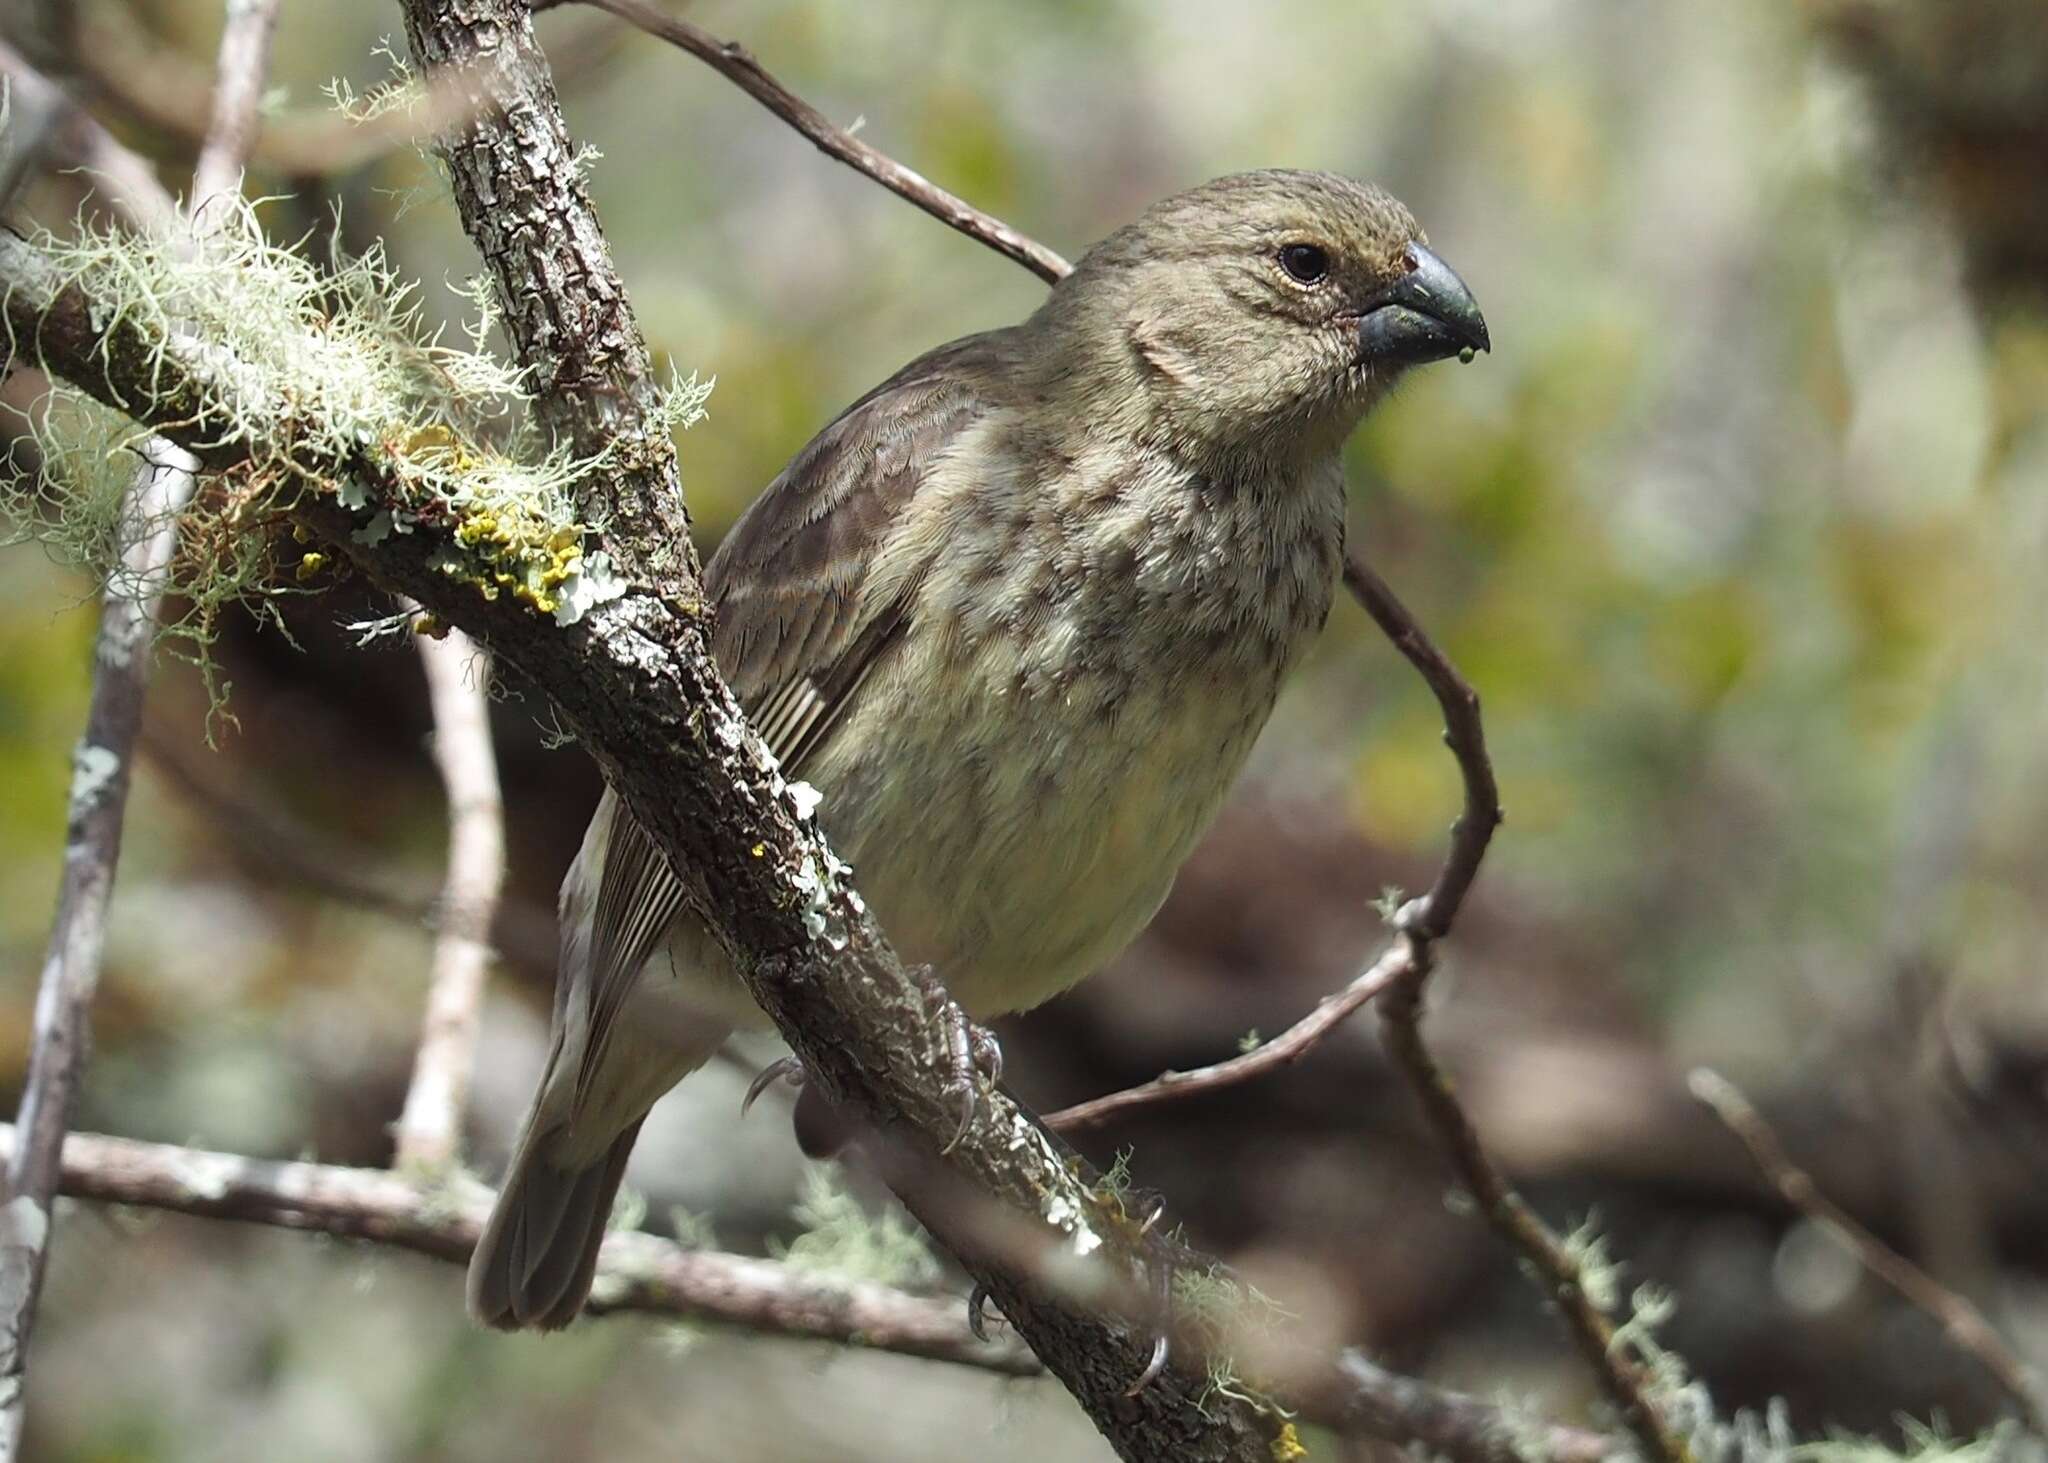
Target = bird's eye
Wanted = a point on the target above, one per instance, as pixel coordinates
(1306, 263)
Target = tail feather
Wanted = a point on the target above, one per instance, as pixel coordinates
(534, 1265)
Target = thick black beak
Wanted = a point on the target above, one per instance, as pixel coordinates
(1425, 315)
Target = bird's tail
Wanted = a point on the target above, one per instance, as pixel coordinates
(538, 1254)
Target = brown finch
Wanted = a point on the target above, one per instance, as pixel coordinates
(1018, 615)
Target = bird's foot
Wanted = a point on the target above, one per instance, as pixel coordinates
(973, 1056)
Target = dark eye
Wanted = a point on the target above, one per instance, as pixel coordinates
(1308, 263)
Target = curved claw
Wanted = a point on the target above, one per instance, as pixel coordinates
(977, 1323)
(1160, 1351)
(781, 1069)
(969, 1103)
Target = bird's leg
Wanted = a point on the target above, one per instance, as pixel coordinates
(972, 1054)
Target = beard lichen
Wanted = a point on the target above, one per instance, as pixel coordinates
(322, 381)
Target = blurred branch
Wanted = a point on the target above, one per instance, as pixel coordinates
(1960, 1321)
(36, 111)
(1381, 1404)
(137, 75)
(237, 98)
(640, 1272)
(146, 539)
(646, 1274)
(430, 1126)
(737, 64)
(77, 141)
(280, 848)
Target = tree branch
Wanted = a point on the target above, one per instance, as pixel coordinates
(429, 1129)
(1960, 1320)
(646, 1274)
(737, 64)
(640, 1272)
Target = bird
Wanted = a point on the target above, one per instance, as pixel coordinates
(1017, 615)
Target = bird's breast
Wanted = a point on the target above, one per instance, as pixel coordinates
(1080, 686)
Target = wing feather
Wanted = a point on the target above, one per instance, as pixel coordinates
(797, 631)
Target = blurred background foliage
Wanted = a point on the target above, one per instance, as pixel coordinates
(1740, 533)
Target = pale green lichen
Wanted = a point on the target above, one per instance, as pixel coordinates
(304, 367)
(843, 1240)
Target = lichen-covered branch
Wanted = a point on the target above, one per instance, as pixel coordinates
(429, 1130)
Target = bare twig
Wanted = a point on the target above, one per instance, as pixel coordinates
(1378, 1403)
(134, 74)
(146, 539)
(430, 1127)
(641, 1272)
(737, 64)
(1463, 734)
(1289, 1047)
(92, 847)
(1959, 1319)
(1420, 923)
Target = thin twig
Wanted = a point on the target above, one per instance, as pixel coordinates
(738, 65)
(147, 537)
(430, 1127)
(1463, 734)
(1420, 923)
(1960, 1320)
(146, 540)
(1383, 1404)
(1556, 1268)
(1289, 1047)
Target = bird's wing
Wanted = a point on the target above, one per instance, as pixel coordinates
(800, 620)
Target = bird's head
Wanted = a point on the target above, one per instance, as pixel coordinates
(1261, 309)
